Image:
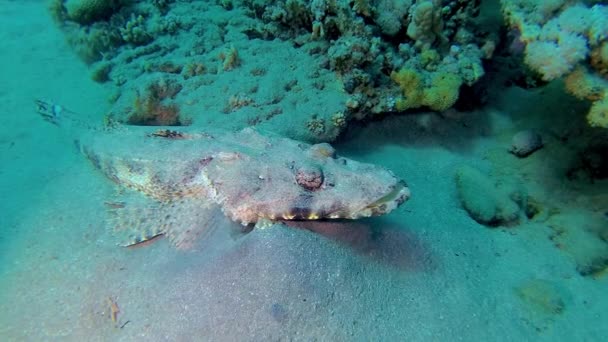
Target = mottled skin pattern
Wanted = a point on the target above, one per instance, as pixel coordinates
(253, 178)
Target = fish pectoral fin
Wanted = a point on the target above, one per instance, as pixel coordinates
(135, 221)
(191, 221)
(182, 221)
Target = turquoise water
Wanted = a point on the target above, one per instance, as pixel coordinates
(495, 119)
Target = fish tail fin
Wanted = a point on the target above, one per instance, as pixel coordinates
(50, 112)
(62, 117)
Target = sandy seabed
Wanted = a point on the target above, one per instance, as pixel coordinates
(426, 272)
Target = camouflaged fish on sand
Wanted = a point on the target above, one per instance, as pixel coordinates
(183, 179)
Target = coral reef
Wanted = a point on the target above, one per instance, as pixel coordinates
(96, 29)
(363, 42)
(390, 55)
(427, 37)
(566, 39)
(89, 11)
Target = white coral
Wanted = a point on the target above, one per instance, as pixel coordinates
(560, 40)
(390, 15)
(598, 30)
(574, 19)
(573, 47)
(546, 58)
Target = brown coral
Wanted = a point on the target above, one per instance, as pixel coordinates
(588, 86)
(236, 102)
(598, 114)
(194, 69)
(599, 59)
(164, 89)
(230, 58)
(149, 109)
(584, 85)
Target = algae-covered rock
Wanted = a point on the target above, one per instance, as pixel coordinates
(525, 143)
(580, 235)
(89, 11)
(483, 200)
(541, 296)
(542, 302)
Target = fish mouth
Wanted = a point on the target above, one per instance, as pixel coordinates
(399, 193)
(385, 204)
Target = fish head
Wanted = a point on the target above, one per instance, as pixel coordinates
(289, 180)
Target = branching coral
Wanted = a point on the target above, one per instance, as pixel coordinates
(135, 31)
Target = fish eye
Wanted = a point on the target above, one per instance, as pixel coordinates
(309, 177)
